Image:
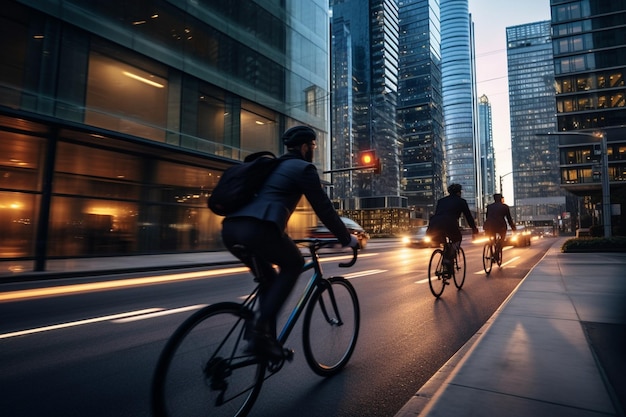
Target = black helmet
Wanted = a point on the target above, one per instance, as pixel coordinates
(298, 135)
(454, 188)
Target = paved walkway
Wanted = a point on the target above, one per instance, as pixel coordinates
(556, 347)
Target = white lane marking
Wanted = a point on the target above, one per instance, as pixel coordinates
(159, 313)
(77, 323)
(364, 273)
(515, 258)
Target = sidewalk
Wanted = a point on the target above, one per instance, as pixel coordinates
(556, 347)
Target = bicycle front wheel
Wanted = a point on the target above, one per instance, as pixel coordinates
(459, 268)
(436, 280)
(203, 371)
(331, 326)
(487, 258)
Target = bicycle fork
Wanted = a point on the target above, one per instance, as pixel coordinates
(336, 319)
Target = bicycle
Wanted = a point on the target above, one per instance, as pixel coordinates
(438, 277)
(492, 253)
(204, 369)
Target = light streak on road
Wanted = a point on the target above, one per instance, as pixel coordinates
(134, 282)
(77, 323)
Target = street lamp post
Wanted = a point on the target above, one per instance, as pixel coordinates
(502, 176)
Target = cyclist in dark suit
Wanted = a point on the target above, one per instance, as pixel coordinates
(445, 221)
(498, 214)
(261, 226)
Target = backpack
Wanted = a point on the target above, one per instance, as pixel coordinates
(240, 183)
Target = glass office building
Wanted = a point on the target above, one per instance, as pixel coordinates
(589, 46)
(365, 88)
(117, 117)
(487, 152)
(459, 99)
(420, 105)
(538, 195)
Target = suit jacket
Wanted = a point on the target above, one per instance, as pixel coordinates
(279, 196)
(498, 214)
(445, 221)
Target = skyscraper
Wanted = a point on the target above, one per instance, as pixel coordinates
(420, 107)
(536, 183)
(486, 149)
(365, 88)
(459, 98)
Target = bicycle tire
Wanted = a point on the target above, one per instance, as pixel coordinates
(499, 252)
(208, 342)
(436, 281)
(330, 331)
(459, 269)
(487, 258)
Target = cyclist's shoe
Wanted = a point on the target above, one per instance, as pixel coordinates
(266, 345)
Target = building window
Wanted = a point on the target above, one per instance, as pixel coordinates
(259, 129)
(125, 98)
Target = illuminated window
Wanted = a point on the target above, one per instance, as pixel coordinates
(125, 98)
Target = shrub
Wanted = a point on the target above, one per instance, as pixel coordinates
(595, 244)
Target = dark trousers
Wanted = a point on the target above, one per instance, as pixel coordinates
(270, 247)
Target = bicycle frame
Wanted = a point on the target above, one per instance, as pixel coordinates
(314, 282)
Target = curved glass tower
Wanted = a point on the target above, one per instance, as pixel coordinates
(459, 98)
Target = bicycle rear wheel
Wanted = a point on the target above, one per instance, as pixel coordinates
(498, 252)
(459, 268)
(436, 281)
(331, 326)
(202, 371)
(487, 258)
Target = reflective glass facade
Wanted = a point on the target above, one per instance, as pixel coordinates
(420, 106)
(590, 63)
(459, 98)
(487, 152)
(364, 99)
(117, 118)
(589, 47)
(538, 194)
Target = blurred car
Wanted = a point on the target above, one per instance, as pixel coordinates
(322, 232)
(419, 239)
(519, 238)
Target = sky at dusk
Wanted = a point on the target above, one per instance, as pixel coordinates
(491, 18)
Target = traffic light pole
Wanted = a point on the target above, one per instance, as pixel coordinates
(350, 169)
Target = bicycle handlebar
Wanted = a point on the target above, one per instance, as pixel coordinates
(317, 243)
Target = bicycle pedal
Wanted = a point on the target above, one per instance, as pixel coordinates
(288, 354)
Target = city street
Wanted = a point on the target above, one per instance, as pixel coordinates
(92, 353)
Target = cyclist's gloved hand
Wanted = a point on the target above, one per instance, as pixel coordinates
(354, 242)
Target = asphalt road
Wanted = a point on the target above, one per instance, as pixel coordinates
(92, 353)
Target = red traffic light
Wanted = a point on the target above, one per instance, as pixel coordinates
(367, 159)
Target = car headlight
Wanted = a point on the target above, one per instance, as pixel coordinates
(406, 240)
(427, 239)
